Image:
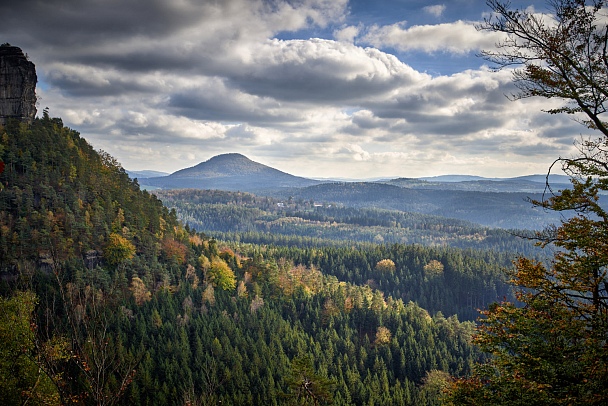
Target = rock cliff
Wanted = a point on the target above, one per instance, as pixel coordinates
(17, 85)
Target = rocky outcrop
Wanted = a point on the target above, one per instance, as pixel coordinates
(17, 85)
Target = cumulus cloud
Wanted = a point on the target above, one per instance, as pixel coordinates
(348, 33)
(165, 85)
(459, 37)
(321, 71)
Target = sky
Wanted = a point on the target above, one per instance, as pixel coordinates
(353, 89)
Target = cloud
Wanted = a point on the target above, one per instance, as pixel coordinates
(320, 71)
(123, 33)
(459, 37)
(348, 33)
(165, 85)
(355, 152)
(436, 10)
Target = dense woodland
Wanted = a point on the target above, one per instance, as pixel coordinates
(107, 298)
(252, 218)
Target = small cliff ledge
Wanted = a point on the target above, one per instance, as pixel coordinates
(17, 85)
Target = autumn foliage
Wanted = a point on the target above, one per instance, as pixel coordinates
(118, 249)
(174, 250)
(551, 347)
(385, 265)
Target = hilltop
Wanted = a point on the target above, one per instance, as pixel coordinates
(229, 172)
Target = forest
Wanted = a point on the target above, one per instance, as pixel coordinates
(248, 217)
(107, 298)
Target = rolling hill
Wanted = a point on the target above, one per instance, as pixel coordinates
(490, 202)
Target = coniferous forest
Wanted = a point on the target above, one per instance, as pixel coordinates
(107, 298)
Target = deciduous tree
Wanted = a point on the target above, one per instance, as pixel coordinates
(139, 290)
(22, 380)
(559, 55)
(118, 249)
(221, 275)
(552, 349)
(385, 265)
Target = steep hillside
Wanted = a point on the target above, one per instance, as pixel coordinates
(63, 200)
(229, 172)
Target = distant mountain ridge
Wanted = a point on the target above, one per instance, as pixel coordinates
(473, 178)
(453, 178)
(490, 202)
(234, 171)
(145, 174)
(525, 184)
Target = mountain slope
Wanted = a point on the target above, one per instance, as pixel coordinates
(229, 172)
(62, 198)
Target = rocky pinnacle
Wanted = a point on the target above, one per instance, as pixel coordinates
(17, 85)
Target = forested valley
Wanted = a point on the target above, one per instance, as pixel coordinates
(108, 298)
(247, 217)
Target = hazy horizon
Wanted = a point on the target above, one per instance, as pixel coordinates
(347, 179)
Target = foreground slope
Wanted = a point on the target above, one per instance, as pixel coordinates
(62, 199)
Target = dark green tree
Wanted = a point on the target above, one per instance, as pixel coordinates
(306, 386)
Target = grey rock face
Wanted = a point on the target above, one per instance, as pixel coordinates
(17, 85)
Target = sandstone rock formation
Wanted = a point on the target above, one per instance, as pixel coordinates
(17, 85)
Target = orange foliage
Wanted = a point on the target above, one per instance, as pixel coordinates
(174, 250)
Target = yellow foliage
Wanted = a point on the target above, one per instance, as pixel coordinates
(140, 293)
(221, 275)
(385, 265)
(118, 249)
(433, 268)
(383, 336)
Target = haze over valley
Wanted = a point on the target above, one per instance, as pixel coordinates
(503, 203)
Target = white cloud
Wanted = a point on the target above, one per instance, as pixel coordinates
(459, 37)
(321, 71)
(347, 34)
(436, 10)
(358, 153)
